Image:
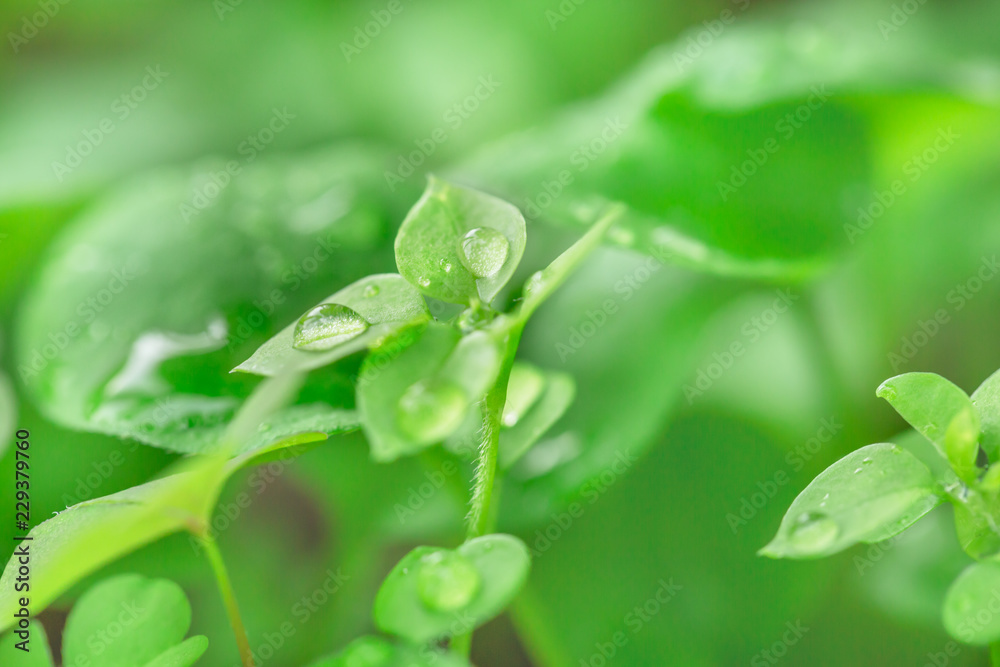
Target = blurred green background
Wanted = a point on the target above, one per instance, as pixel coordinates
(896, 78)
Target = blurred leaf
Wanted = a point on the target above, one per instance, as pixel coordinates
(929, 403)
(460, 245)
(969, 614)
(867, 496)
(8, 413)
(986, 399)
(130, 620)
(385, 301)
(962, 444)
(146, 298)
(526, 420)
(378, 652)
(184, 654)
(434, 593)
(86, 536)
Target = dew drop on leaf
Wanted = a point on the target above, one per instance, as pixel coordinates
(370, 291)
(483, 251)
(813, 531)
(327, 326)
(447, 581)
(430, 410)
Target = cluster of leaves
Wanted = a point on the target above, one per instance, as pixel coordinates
(878, 491)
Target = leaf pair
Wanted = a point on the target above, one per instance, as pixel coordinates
(434, 594)
(127, 620)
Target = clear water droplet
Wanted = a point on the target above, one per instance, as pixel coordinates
(857, 470)
(813, 531)
(430, 410)
(424, 282)
(445, 266)
(484, 251)
(370, 291)
(327, 326)
(866, 460)
(447, 581)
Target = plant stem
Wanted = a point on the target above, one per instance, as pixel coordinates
(482, 513)
(228, 597)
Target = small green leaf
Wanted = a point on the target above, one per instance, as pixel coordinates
(869, 495)
(418, 386)
(184, 654)
(379, 652)
(535, 401)
(460, 245)
(928, 402)
(976, 528)
(38, 654)
(386, 303)
(961, 442)
(969, 613)
(987, 401)
(126, 621)
(434, 593)
(84, 537)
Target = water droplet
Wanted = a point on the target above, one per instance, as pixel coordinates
(813, 532)
(370, 291)
(430, 410)
(445, 266)
(483, 251)
(857, 470)
(866, 460)
(447, 581)
(424, 282)
(327, 326)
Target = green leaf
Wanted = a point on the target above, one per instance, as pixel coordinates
(419, 385)
(535, 401)
(969, 613)
(379, 652)
(81, 539)
(929, 403)
(128, 620)
(434, 593)
(38, 654)
(115, 335)
(460, 245)
(976, 528)
(867, 496)
(962, 444)
(386, 302)
(184, 654)
(987, 401)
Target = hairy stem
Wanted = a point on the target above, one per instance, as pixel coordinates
(228, 597)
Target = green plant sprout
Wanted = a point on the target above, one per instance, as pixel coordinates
(880, 490)
(423, 382)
